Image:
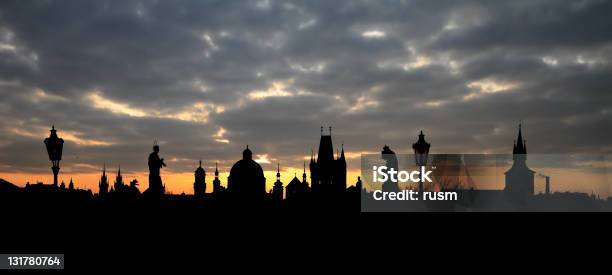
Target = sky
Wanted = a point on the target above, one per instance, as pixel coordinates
(206, 78)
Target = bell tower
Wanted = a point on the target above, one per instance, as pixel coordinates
(519, 178)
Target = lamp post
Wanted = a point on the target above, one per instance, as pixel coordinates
(54, 146)
(421, 151)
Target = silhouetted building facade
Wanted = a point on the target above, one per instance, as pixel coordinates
(519, 179)
(199, 186)
(327, 173)
(246, 179)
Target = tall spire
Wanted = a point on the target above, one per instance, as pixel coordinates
(342, 152)
(119, 171)
(200, 163)
(216, 170)
(277, 171)
(520, 147)
(104, 170)
(329, 130)
(321, 130)
(304, 174)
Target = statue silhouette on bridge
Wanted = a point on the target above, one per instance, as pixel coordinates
(156, 186)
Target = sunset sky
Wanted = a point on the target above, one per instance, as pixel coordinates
(206, 78)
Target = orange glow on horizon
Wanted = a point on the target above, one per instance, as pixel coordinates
(176, 183)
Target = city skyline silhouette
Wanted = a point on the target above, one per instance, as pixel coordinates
(106, 175)
(325, 186)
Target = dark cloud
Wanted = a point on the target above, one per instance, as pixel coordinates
(115, 75)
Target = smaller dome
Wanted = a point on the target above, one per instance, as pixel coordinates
(247, 154)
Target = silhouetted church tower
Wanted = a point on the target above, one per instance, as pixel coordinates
(327, 174)
(103, 184)
(277, 190)
(519, 179)
(199, 186)
(216, 182)
(118, 181)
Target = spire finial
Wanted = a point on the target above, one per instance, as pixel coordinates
(200, 163)
(321, 129)
(330, 130)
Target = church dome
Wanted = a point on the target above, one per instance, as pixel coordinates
(247, 168)
(247, 177)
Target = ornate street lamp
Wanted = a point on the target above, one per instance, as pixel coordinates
(421, 151)
(54, 146)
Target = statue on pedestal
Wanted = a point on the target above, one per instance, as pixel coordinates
(155, 164)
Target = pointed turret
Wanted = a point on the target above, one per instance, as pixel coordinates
(103, 183)
(277, 190)
(520, 146)
(119, 181)
(119, 177)
(216, 181)
(304, 174)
